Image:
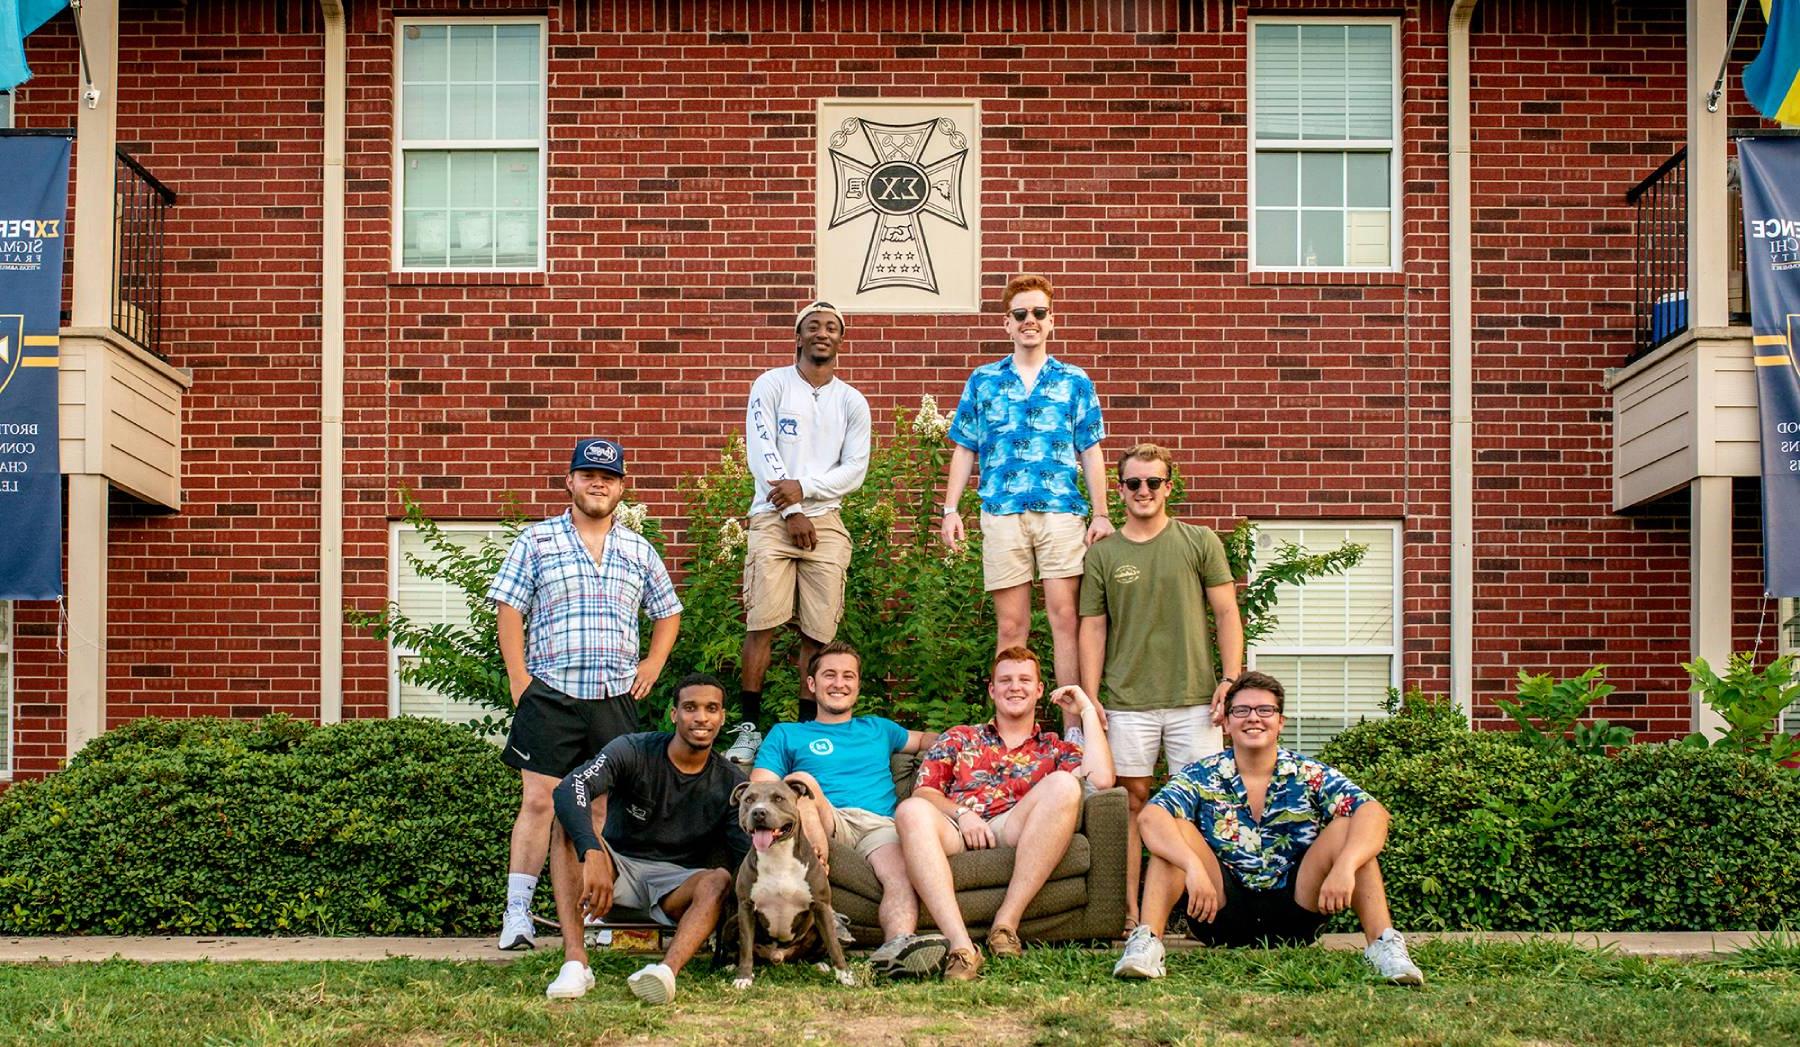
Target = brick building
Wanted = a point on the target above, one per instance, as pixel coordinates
(1390, 309)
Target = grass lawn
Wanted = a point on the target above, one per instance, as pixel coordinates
(1489, 993)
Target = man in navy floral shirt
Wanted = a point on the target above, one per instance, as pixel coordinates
(1266, 844)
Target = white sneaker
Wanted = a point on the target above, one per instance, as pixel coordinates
(516, 931)
(743, 750)
(1387, 954)
(572, 982)
(653, 984)
(1143, 956)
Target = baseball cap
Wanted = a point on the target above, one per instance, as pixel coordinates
(595, 453)
(819, 307)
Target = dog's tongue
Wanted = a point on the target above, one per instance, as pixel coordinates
(762, 838)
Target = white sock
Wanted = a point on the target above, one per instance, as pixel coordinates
(519, 889)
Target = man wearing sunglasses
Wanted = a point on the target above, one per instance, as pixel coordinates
(1033, 424)
(1266, 845)
(1145, 635)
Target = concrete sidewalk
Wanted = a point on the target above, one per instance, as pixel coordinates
(226, 949)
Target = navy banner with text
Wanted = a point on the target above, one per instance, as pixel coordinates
(1771, 180)
(35, 170)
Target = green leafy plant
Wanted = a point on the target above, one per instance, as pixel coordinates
(1549, 712)
(1750, 702)
(1291, 565)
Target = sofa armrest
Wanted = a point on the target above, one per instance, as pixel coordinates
(1104, 816)
(1105, 811)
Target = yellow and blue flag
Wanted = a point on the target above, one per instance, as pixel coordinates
(18, 20)
(1769, 81)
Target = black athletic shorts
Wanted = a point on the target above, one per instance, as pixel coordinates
(1253, 917)
(553, 733)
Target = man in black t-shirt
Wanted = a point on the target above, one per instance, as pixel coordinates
(668, 810)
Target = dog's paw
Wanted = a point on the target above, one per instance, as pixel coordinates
(741, 983)
(846, 977)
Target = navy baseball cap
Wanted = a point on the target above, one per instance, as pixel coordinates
(595, 453)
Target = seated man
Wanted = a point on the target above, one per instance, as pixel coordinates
(1266, 843)
(668, 806)
(843, 759)
(1004, 783)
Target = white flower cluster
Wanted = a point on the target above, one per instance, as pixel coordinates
(929, 422)
(731, 539)
(633, 515)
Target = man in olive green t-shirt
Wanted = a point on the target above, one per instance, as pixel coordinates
(1144, 593)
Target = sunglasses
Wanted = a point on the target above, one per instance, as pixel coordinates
(1242, 712)
(1036, 312)
(1154, 482)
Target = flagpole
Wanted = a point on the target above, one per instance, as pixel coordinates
(1712, 97)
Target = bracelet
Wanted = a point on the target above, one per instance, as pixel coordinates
(949, 510)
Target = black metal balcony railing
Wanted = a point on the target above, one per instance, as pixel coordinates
(1660, 284)
(140, 209)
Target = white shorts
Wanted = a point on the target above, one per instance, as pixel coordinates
(1184, 735)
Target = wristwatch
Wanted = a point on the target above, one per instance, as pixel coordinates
(948, 510)
(957, 814)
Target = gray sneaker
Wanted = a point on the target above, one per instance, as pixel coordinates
(1387, 954)
(743, 750)
(844, 934)
(1143, 956)
(909, 956)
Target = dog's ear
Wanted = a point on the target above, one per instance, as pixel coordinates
(737, 794)
(801, 788)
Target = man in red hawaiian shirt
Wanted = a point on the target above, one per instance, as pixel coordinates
(1004, 783)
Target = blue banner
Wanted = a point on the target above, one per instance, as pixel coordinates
(1770, 169)
(36, 173)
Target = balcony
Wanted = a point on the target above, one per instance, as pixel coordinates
(1684, 400)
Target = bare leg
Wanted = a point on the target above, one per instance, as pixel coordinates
(531, 829)
(1165, 882)
(1137, 794)
(928, 840)
(695, 907)
(1012, 615)
(565, 883)
(1041, 827)
(1368, 898)
(1060, 600)
(899, 904)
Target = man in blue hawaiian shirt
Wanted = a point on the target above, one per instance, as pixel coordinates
(1267, 845)
(1033, 424)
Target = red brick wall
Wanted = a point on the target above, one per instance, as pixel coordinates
(680, 243)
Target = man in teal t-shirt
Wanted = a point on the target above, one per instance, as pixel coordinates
(843, 760)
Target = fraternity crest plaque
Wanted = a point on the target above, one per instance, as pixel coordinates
(899, 205)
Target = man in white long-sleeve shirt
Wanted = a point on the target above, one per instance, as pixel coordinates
(806, 434)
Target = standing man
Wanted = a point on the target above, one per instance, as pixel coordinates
(669, 822)
(1144, 595)
(843, 759)
(1004, 783)
(1032, 422)
(806, 434)
(567, 600)
(1266, 844)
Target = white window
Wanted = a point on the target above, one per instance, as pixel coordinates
(428, 601)
(6, 108)
(1324, 120)
(1790, 644)
(470, 149)
(6, 690)
(1336, 649)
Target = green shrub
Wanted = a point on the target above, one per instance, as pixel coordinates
(269, 827)
(1490, 833)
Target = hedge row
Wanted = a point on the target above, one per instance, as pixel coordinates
(1489, 834)
(209, 826)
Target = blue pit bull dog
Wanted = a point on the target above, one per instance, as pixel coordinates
(783, 898)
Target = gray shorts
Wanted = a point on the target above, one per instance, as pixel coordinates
(640, 883)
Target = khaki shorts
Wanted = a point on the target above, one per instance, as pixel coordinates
(866, 831)
(994, 823)
(1184, 735)
(1013, 544)
(777, 573)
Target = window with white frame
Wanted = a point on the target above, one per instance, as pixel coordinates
(1789, 610)
(470, 148)
(1324, 127)
(6, 689)
(1336, 645)
(6, 108)
(428, 601)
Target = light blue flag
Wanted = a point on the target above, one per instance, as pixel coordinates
(18, 20)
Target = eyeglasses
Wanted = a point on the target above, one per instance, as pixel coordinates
(1153, 482)
(1036, 312)
(1242, 712)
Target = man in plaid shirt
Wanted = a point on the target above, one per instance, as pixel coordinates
(568, 599)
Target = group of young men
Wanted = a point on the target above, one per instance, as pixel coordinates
(1264, 844)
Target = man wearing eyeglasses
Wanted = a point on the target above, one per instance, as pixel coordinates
(1033, 424)
(1145, 635)
(1266, 845)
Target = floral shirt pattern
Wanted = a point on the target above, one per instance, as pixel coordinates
(972, 766)
(1029, 442)
(1304, 796)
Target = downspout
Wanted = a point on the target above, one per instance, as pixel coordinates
(331, 375)
(1462, 387)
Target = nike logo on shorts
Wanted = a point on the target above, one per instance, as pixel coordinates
(522, 754)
